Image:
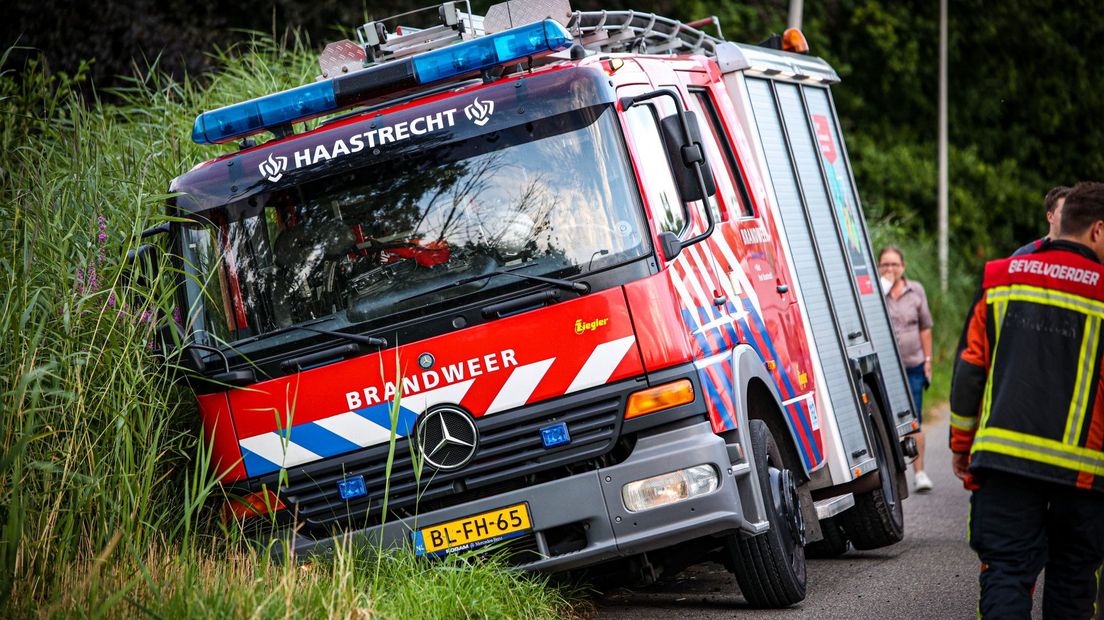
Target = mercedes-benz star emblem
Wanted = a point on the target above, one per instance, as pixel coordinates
(447, 438)
(425, 360)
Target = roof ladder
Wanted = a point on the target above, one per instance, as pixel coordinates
(641, 33)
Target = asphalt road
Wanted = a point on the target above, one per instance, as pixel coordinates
(930, 574)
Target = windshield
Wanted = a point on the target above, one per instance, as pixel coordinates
(549, 197)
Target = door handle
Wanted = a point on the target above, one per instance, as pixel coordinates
(783, 289)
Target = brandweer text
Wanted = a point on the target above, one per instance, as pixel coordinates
(429, 379)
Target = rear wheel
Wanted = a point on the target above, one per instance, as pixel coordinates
(770, 567)
(834, 543)
(877, 518)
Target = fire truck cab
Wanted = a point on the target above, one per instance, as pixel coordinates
(588, 286)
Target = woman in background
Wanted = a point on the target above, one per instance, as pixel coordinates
(912, 325)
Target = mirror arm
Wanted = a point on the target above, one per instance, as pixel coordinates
(629, 101)
(203, 347)
(160, 229)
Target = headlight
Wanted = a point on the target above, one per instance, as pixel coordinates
(669, 488)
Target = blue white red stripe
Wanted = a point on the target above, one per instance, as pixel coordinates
(697, 278)
(368, 426)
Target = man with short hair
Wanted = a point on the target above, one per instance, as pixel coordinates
(1027, 419)
(1053, 202)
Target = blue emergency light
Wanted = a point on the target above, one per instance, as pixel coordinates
(490, 51)
(306, 102)
(352, 487)
(555, 435)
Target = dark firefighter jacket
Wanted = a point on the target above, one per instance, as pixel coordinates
(1026, 393)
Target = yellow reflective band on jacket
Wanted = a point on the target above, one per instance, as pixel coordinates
(1081, 390)
(1050, 297)
(999, 309)
(987, 396)
(963, 423)
(1039, 449)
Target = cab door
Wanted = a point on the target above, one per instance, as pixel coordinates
(692, 274)
(745, 253)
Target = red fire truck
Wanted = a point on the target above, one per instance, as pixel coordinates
(590, 286)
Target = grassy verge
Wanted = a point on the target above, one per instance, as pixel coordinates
(102, 498)
(207, 581)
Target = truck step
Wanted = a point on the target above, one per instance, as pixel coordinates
(834, 505)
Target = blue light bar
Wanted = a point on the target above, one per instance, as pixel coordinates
(533, 39)
(242, 119)
(306, 102)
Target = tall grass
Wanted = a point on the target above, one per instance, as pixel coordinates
(103, 481)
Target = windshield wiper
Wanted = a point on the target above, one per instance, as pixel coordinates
(566, 285)
(372, 341)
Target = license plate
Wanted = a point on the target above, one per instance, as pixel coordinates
(473, 532)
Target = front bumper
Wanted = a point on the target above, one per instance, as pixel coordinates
(593, 502)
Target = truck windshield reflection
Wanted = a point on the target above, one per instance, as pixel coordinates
(553, 197)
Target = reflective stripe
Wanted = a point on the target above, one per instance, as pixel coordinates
(605, 358)
(963, 423)
(1096, 603)
(1039, 449)
(520, 385)
(1079, 404)
(987, 398)
(999, 310)
(1050, 297)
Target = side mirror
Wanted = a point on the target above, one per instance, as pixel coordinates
(682, 140)
(670, 245)
(144, 261)
(686, 153)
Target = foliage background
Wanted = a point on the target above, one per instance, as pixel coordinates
(1025, 83)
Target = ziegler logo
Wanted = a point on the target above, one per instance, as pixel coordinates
(590, 326)
(273, 168)
(479, 112)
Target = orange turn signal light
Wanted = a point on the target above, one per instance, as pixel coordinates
(256, 504)
(659, 398)
(794, 41)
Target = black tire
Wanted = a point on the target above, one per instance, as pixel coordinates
(878, 518)
(834, 543)
(770, 567)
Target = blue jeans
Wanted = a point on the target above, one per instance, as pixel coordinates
(916, 384)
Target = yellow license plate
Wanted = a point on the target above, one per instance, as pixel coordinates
(473, 532)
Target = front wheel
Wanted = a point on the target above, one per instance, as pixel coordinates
(770, 567)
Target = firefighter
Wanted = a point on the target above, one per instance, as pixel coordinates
(1027, 419)
(1053, 202)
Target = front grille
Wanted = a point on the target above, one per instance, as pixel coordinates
(511, 455)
